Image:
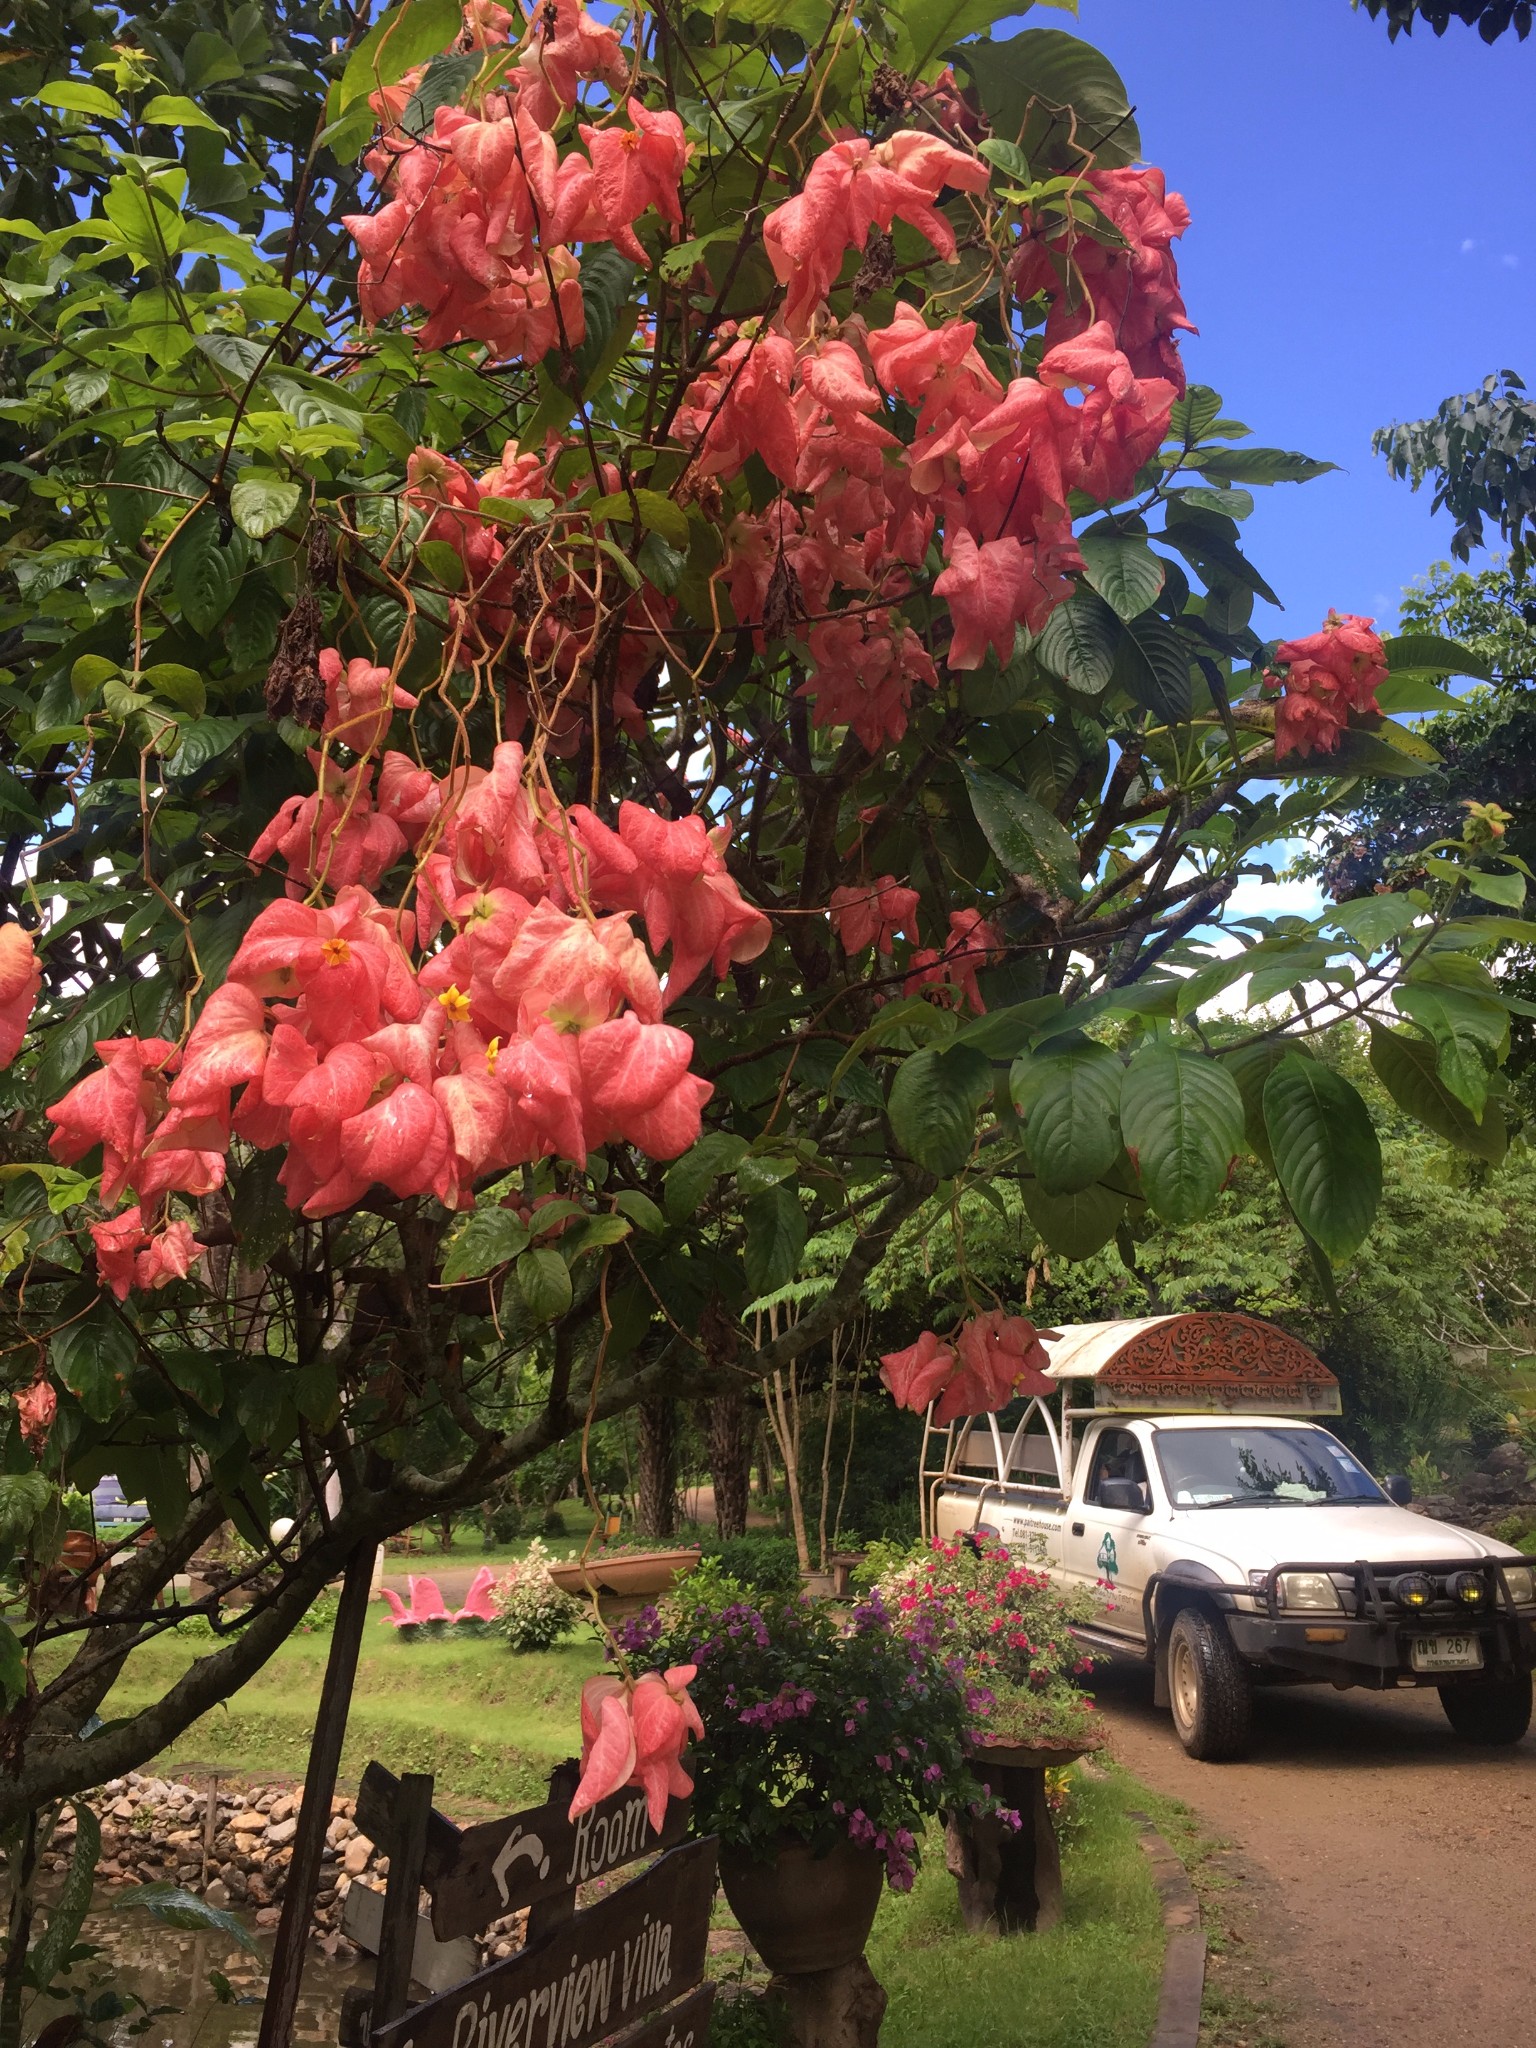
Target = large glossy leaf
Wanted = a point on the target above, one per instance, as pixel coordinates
(1182, 1117)
(1250, 1067)
(1259, 465)
(93, 1356)
(544, 1281)
(205, 571)
(1439, 657)
(1079, 642)
(1056, 96)
(1408, 1069)
(174, 1907)
(1123, 570)
(410, 34)
(1327, 1156)
(1469, 1031)
(1069, 1099)
(775, 1238)
(71, 1903)
(690, 1178)
(935, 1100)
(1027, 839)
(487, 1239)
(1152, 666)
(1076, 1225)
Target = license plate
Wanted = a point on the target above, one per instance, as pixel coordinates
(1447, 1653)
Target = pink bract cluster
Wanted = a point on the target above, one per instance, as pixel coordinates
(19, 984)
(379, 1053)
(1325, 677)
(990, 1360)
(634, 1732)
(480, 217)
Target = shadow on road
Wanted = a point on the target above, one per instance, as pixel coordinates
(1314, 1728)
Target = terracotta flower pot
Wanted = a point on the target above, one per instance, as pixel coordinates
(803, 1912)
(632, 1572)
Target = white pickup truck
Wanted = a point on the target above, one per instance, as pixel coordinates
(1239, 1542)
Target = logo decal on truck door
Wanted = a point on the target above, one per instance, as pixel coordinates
(1108, 1558)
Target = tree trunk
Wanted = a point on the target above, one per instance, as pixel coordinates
(658, 1468)
(729, 1463)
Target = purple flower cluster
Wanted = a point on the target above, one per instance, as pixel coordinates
(636, 1634)
(790, 1703)
(897, 1845)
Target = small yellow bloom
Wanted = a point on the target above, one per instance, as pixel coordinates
(456, 1003)
(335, 952)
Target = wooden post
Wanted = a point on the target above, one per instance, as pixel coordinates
(402, 1896)
(292, 1940)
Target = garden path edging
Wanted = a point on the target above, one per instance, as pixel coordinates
(1183, 1987)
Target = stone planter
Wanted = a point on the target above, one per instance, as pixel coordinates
(809, 1917)
(1010, 1879)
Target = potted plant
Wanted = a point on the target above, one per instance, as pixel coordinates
(1011, 1626)
(828, 1743)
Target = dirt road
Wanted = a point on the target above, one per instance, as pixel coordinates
(1389, 1869)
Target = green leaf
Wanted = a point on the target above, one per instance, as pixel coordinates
(171, 110)
(936, 1098)
(1026, 838)
(1079, 642)
(690, 1178)
(1439, 657)
(262, 1406)
(607, 278)
(1056, 96)
(204, 574)
(208, 60)
(1152, 666)
(1182, 1117)
(1408, 691)
(196, 1374)
(1194, 414)
(13, 1668)
(74, 96)
(1406, 1066)
(1507, 888)
(1327, 1156)
(1069, 1098)
(262, 500)
(544, 1281)
(1469, 1032)
(1123, 570)
(641, 1211)
(489, 1238)
(179, 685)
(924, 28)
(448, 77)
(1250, 1067)
(93, 1356)
(25, 1497)
(1074, 1226)
(442, 562)
(775, 1238)
(70, 1907)
(658, 514)
(173, 1907)
(1258, 465)
(410, 34)
(141, 478)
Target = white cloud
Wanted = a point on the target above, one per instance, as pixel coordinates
(1510, 262)
(1254, 897)
(1468, 246)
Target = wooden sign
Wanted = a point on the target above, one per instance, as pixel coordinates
(474, 1875)
(680, 2026)
(605, 1968)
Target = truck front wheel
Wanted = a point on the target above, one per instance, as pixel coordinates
(1208, 1688)
(1495, 1713)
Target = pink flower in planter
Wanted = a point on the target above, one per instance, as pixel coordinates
(634, 1733)
(426, 1601)
(397, 1616)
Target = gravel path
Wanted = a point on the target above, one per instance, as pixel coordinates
(1389, 1867)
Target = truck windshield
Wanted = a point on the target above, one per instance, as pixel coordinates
(1237, 1467)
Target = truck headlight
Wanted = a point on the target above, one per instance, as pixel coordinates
(1309, 1590)
(1521, 1581)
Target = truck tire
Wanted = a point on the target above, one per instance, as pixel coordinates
(1495, 1714)
(1208, 1688)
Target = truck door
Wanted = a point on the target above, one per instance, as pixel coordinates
(1112, 1545)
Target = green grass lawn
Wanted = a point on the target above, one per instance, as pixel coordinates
(1092, 1983)
(488, 1725)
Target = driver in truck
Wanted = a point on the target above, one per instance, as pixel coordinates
(1246, 1545)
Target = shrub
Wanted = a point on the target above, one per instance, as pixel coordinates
(765, 1563)
(533, 1613)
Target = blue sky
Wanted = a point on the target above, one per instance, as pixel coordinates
(1362, 247)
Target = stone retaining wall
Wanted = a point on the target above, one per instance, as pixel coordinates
(231, 1844)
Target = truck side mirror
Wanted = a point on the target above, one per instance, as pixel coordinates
(1397, 1486)
(1128, 1495)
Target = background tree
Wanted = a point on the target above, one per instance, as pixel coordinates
(1490, 17)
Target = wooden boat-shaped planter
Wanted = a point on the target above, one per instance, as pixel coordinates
(624, 1583)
